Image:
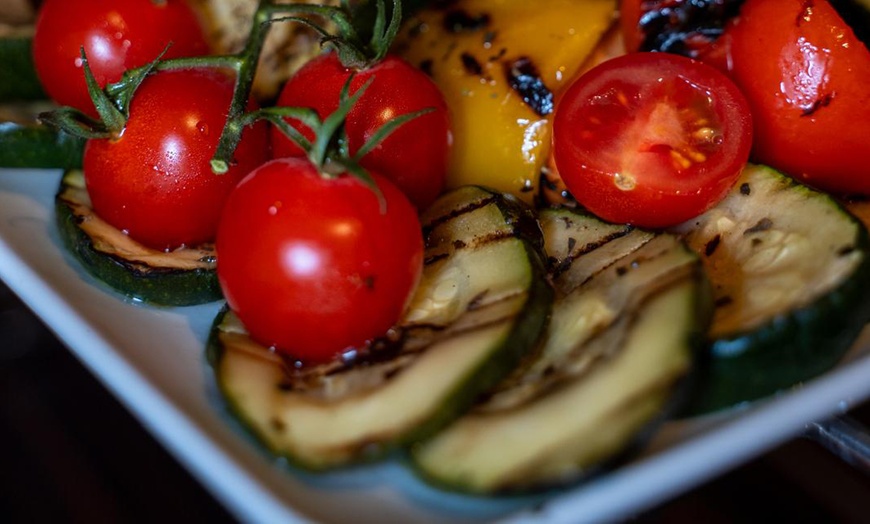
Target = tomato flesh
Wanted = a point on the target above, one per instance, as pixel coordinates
(116, 36)
(651, 139)
(314, 266)
(155, 180)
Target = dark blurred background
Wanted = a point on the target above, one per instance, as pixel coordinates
(69, 452)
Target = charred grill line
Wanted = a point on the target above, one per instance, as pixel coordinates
(427, 228)
(589, 247)
(390, 355)
(596, 350)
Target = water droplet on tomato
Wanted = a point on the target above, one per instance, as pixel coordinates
(78, 62)
(202, 127)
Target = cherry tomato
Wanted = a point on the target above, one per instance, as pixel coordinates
(312, 265)
(805, 75)
(155, 180)
(651, 139)
(415, 156)
(116, 36)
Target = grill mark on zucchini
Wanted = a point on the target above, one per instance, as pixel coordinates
(482, 302)
(453, 214)
(790, 269)
(623, 332)
(391, 353)
(594, 350)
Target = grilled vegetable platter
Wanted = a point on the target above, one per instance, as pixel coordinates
(505, 249)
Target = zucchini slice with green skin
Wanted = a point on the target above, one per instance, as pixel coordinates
(183, 277)
(20, 82)
(26, 143)
(481, 305)
(630, 312)
(33, 145)
(790, 271)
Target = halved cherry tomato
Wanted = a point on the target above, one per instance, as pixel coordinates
(115, 35)
(155, 180)
(806, 77)
(314, 265)
(414, 156)
(651, 139)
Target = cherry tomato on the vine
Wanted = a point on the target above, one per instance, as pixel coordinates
(414, 156)
(155, 180)
(314, 265)
(651, 139)
(116, 36)
(805, 75)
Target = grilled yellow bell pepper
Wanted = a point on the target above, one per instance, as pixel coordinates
(500, 65)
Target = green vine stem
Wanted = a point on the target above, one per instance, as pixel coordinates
(112, 102)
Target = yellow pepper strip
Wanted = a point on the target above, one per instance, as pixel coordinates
(500, 65)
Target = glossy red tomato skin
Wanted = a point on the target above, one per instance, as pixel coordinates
(805, 75)
(312, 266)
(651, 139)
(415, 156)
(155, 181)
(116, 36)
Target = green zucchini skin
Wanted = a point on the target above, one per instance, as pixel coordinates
(629, 319)
(158, 286)
(20, 82)
(448, 350)
(805, 340)
(33, 145)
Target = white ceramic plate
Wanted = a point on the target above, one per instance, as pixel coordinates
(153, 361)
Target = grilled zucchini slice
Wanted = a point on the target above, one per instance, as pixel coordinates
(182, 277)
(630, 311)
(481, 305)
(790, 271)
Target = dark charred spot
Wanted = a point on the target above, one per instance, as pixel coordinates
(277, 425)
(685, 27)
(489, 38)
(745, 189)
(475, 302)
(756, 242)
(459, 244)
(845, 251)
(621, 270)
(498, 56)
(710, 247)
(525, 80)
(823, 101)
(471, 64)
(723, 301)
(436, 258)
(459, 21)
(572, 242)
(426, 67)
(763, 225)
(285, 385)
